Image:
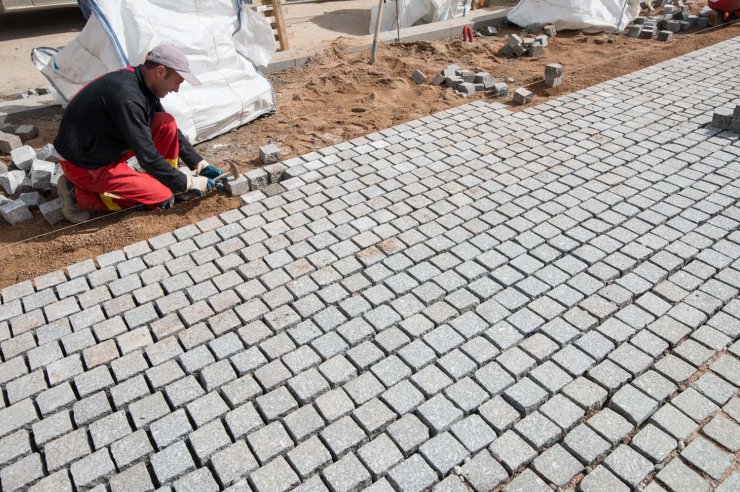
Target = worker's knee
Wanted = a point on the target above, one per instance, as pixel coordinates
(164, 121)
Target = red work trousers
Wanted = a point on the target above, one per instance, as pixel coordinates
(725, 5)
(116, 186)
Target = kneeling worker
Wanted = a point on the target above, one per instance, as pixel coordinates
(119, 116)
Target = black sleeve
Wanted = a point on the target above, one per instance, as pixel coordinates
(188, 154)
(129, 116)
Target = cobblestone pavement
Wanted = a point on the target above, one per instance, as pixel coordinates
(474, 300)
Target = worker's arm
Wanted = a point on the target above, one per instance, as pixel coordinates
(188, 154)
(131, 120)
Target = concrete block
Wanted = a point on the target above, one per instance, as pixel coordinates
(692, 20)
(553, 70)
(685, 25)
(32, 199)
(466, 88)
(523, 96)
(52, 211)
(451, 70)
(251, 197)
(12, 181)
(439, 79)
(634, 31)
(507, 51)
(673, 26)
(466, 75)
(702, 22)
(665, 36)
(519, 49)
(554, 82)
(550, 30)
(647, 33)
(480, 87)
(47, 153)
(258, 178)
(721, 119)
(23, 157)
(514, 40)
(489, 31)
(534, 28)
(418, 77)
(668, 9)
(485, 79)
(269, 154)
(25, 186)
(237, 187)
(41, 173)
(26, 132)
(639, 20)
(542, 40)
(275, 172)
(453, 82)
(15, 212)
(9, 142)
(500, 89)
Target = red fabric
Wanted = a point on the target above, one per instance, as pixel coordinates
(725, 5)
(123, 187)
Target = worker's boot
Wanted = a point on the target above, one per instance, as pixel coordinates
(70, 210)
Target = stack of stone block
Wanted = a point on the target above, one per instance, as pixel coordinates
(468, 82)
(675, 18)
(30, 179)
(517, 46)
(727, 120)
(553, 75)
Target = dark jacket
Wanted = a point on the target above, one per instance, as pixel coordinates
(113, 115)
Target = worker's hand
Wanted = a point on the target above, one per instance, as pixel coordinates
(209, 171)
(200, 185)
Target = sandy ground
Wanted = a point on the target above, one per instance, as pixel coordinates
(336, 97)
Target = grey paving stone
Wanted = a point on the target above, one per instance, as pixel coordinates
(585, 444)
(557, 466)
(653, 443)
(725, 432)
(136, 478)
(654, 385)
(412, 475)
(172, 462)
(93, 469)
(627, 464)
(731, 483)
(707, 457)
(66, 449)
(270, 441)
(342, 435)
(408, 433)
(276, 476)
(347, 474)
(680, 478)
(109, 429)
(207, 408)
(309, 456)
(233, 462)
(633, 404)
(21, 473)
(585, 393)
(610, 425)
(600, 479)
(527, 481)
(131, 449)
(538, 430)
(512, 451)
(379, 455)
(694, 404)
(402, 398)
(483, 473)
(443, 452)
(207, 440)
(439, 413)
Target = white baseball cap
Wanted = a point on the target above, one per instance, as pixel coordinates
(170, 56)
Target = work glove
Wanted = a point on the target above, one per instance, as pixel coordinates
(200, 185)
(208, 170)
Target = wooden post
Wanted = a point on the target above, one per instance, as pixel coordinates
(277, 11)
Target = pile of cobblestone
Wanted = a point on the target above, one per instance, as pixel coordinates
(465, 81)
(517, 46)
(30, 180)
(675, 18)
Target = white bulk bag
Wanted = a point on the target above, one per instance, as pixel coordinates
(221, 38)
(586, 15)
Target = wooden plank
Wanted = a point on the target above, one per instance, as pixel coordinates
(280, 21)
(272, 10)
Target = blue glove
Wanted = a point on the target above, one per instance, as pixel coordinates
(200, 185)
(208, 170)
